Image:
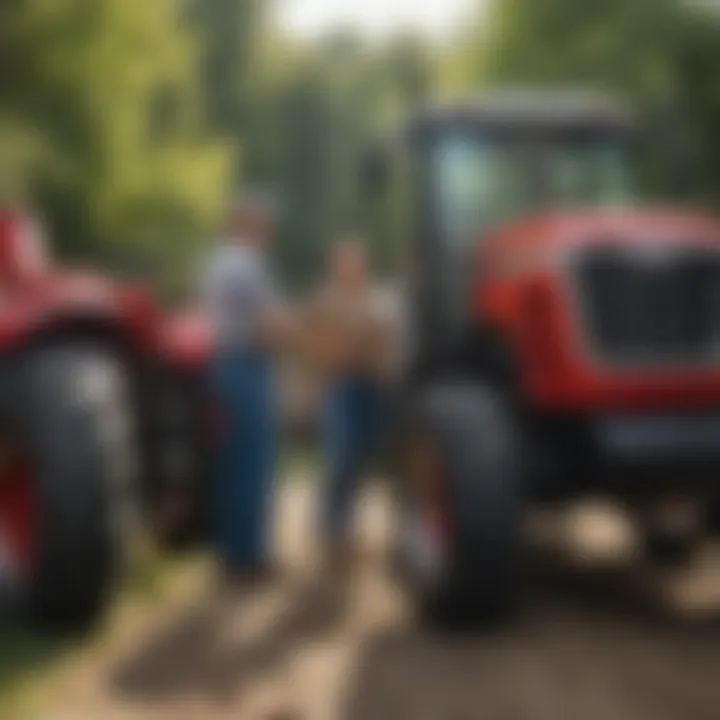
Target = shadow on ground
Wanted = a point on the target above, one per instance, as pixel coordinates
(586, 646)
(194, 655)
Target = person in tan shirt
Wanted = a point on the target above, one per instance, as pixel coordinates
(348, 339)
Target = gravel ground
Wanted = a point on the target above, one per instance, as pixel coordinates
(590, 645)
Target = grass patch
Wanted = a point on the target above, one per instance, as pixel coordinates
(24, 655)
(300, 461)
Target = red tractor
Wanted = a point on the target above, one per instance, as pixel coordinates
(563, 341)
(99, 423)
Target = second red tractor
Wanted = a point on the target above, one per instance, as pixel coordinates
(100, 424)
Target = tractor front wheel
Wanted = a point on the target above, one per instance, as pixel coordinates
(460, 502)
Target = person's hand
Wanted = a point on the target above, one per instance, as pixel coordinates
(323, 350)
(278, 327)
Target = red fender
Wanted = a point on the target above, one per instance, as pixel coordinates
(31, 310)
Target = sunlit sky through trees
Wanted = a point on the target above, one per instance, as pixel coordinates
(373, 18)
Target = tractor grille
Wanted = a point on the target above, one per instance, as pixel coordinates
(652, 304)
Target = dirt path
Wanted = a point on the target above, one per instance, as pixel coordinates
(309, 649)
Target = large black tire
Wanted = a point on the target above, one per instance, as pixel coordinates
(672, 546)
(477, 447)
(76, 421)
(713, 515)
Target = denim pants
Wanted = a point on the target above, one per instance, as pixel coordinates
(352, 423)
(244, 460)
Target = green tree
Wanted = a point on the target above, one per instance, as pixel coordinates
(612, 44)
(660, 54)
(322, 106)
(111, 87)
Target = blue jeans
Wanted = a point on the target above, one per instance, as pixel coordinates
(352, 422)
(245, 455)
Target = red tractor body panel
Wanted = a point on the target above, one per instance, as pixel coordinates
(186, 341)
(35, 298)
(77, 300)
(526, 292)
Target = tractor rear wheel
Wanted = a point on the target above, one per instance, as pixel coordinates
(461, 504)
(73, 422)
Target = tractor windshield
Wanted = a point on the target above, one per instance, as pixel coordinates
(479, 181)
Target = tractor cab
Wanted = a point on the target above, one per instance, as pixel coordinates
(509, 156)
(486, 163)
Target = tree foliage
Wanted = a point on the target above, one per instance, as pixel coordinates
(320, 110)
(660, 54)
(110, 89)
(129, 122)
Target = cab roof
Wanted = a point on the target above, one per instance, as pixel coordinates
(549, 108)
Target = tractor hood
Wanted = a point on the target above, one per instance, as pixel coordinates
(541, 238)
(76, 299)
